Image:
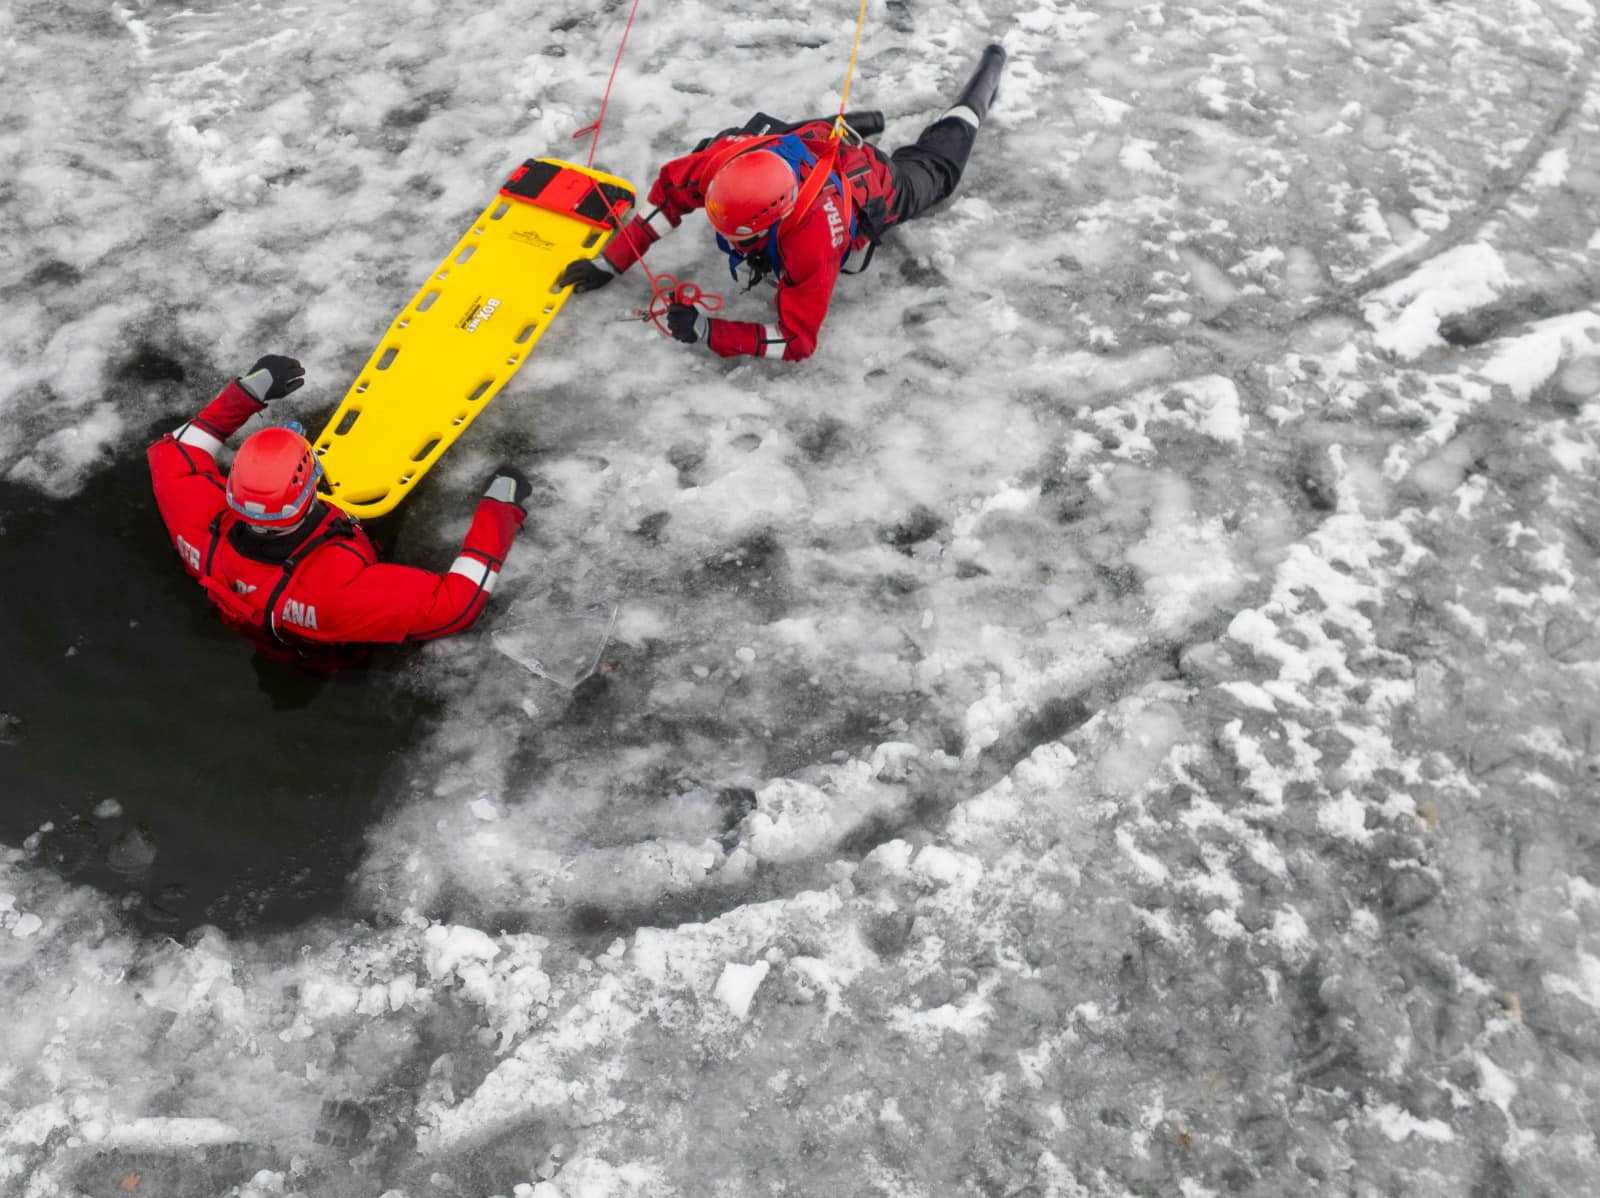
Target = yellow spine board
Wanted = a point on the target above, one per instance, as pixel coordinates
(451, 349)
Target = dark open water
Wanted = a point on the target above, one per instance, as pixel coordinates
(251, 783)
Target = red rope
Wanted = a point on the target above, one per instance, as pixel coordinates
(664, 289)
(605, 99)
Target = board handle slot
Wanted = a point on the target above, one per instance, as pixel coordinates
(478, 391)
(428, 300)
(500, 210)
(466, 253)
(594, 236)
(388, 357)
(348, 422)
(426, 449)
(528, 330)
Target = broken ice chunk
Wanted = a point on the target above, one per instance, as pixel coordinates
(738, 984)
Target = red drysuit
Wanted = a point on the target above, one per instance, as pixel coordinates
(805, 260)
(321, 585)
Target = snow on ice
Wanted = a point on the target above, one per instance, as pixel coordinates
(1118, 720)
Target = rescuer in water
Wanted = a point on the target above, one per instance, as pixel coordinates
(292, 572)
(753, 190)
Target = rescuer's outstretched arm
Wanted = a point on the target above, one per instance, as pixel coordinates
(184, 474)
(811, 261)
(387, 604)
(677, 191)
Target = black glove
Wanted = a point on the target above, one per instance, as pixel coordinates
(687, 323)
(586, 274)
(273, 376)
(509, 485)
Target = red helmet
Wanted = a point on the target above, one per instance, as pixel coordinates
(274, 478)
(751, 194)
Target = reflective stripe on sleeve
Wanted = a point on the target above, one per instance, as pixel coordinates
(475, 572)
(772, 335)
(192, 434)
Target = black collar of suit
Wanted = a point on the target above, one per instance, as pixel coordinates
(275, 549)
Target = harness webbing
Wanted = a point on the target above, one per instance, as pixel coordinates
(338, 528)
(813, 186)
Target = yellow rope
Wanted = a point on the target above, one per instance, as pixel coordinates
(850, 71)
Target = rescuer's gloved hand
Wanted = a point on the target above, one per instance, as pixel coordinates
(509, 485)
(586, 274)
(273, 376)
(687, 323)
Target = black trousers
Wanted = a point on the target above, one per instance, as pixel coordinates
(928, 170)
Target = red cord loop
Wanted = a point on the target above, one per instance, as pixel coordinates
(665, 290)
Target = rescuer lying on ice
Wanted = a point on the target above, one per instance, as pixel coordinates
(291, 572)
(750, 198)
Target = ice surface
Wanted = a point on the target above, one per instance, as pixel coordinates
(1117, 721)
(1407, 314)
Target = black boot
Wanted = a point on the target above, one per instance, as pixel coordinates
(984, 85)
(927, 173)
